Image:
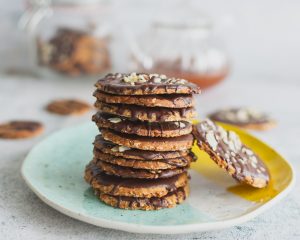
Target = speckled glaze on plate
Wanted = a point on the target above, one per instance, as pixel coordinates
(54, 171)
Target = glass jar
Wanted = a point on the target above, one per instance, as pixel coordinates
(184, 49)
(68, 38)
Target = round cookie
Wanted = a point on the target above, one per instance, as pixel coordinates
(150, 114)
(132, 187)
(149, 129)
(126, 152)
(68, 107)
(127, 172)
(20, 129)
(143, 164)
(144, 84)
(148, 143)
(168, 101)
(244, 117)
(133, 203)
(227, 150)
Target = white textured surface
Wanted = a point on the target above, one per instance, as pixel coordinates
(24, 216)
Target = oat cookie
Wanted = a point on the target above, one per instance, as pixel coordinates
(133, 203)
(227, 150)
(127, 172)
(150, 129)
(20, 129)
(169, 101)
(131, 153)
(150, 114)
(184, 142)
(145, 84)
(131, 187)
(143, 164)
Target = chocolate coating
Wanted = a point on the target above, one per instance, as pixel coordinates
(115, 84)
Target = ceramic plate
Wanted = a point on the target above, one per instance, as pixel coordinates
(54, 171)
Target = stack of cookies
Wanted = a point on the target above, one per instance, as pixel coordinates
(142, 153)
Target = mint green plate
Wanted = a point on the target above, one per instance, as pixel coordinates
(54, 171)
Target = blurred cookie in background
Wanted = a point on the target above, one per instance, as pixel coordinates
(20, 129)
(68, 107)
(245, 117)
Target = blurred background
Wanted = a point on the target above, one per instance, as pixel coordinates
(259, 39)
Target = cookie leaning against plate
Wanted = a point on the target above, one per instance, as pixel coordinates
(126, 152)
(132, 187)
(149, 143)
(244, 117)
(168, 201)
(150, 114)
(150, 129)
(144, 164)
(144, 84)
(227, 150)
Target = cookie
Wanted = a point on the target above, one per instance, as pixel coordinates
(148, 143)
(244, 117)
(169, 101)
(133, 203)
(68, 107)
(149, 129)
(127, 172)
(129, 153)
(144, 84)
(143, 164)
(227, 150)
(20, 129)
(131, 187)
(150, 114)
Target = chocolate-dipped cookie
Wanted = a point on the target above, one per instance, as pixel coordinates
(248, 118)
(150, 114)
(145, 84)
(128, 172)
(133, 203)
(184, 142)
(150, 129)
(126, 152)
(132, 187)
(143, 164)
(227, 150)
(168, 101)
